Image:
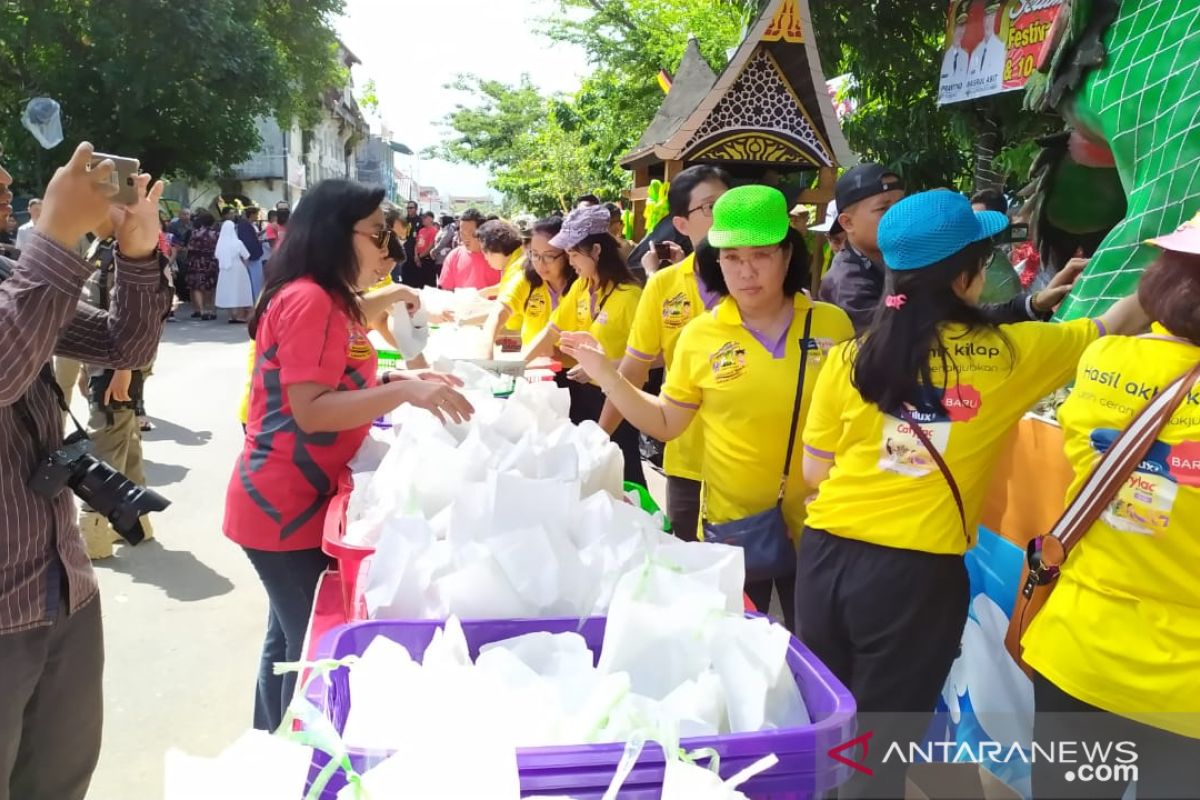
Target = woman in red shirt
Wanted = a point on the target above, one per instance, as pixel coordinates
(313, 397)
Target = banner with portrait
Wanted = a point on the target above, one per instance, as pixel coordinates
(992, 46)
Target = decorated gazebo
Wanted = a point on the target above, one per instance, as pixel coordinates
(766, 116)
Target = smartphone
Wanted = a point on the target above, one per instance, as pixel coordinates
(122, 178)
(662, 250)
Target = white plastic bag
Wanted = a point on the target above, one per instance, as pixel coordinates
(256, 765)
(411, 332)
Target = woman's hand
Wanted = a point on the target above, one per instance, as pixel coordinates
(431, 375)
(1059, 286)
(593, 361)
(578, 374)
(437, 398)
(137, 225)
(410, 297)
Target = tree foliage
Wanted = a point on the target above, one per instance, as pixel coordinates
(177, 85)
(894, 53)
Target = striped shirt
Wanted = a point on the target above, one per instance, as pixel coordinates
(41, 315)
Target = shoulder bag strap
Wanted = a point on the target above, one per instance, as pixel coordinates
(791, 445)
(941, 462)
(1119, 462)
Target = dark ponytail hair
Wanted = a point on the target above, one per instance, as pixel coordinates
(610, 266)
(892, 367)
(320, 244)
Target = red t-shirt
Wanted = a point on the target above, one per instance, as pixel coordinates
(466, 270)
(284, 479)
(425, 239)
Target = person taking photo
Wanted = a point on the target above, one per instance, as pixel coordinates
(51, 642)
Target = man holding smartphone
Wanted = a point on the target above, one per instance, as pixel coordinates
(51, 642)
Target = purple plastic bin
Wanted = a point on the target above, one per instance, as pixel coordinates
(805, 770)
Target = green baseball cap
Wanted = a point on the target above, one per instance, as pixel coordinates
(749, 216)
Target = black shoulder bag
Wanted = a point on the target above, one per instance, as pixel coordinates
(763, 537)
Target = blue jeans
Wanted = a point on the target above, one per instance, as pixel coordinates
(255, 269)
(290, 578)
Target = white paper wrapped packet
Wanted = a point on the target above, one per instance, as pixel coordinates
(257, 765)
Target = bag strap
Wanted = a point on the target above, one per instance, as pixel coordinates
(46, 376)
(791, 445)
(942, 465)
(1119, 462)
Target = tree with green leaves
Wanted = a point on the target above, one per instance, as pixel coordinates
(177, 85)
(894, 58)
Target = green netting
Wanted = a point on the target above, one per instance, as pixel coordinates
(1146, 102)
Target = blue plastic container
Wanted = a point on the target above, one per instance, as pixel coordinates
(805, 769)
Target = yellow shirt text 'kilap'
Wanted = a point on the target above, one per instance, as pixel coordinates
(1121, 630)
(743, 392)
(669, 302)
(884, 487)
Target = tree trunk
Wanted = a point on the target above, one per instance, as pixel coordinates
(987, 146)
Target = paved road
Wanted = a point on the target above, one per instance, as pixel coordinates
(183, 615)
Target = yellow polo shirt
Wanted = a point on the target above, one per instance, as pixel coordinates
(1121, 630)
(606, 313)
(884, 488)
(743, 392)
(670, 301)
(530, 308)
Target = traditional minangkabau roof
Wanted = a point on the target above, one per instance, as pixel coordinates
(769, 106)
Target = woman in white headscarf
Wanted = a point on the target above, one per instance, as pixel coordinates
(233, 281)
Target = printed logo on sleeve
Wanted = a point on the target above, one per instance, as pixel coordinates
(359, 347)
(676, 311)
(1144, 503)
(729, 362)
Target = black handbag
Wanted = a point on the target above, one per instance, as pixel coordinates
(766, 544)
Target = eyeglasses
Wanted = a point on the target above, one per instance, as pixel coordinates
(760, 259)
(381, 238)
(545, 258)
(707, 208)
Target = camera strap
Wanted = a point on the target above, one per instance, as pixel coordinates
(46, 375)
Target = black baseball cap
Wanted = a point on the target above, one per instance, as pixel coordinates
(861, 182)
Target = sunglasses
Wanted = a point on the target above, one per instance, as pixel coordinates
(380, 238)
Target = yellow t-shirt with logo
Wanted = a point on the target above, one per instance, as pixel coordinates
(606, 313)
(1121, 631)
(531, 308)
(743, 392)
(884, 487)
(670, 301)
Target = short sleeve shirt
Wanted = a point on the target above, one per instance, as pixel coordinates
(607, 313)
(466, 270)
(743, 390)
(884, 487)
(284, 478)
(530, 307)
(671, 300)
(1122, 629)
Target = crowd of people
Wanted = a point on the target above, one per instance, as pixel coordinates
(839, 418)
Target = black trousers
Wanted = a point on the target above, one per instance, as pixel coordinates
(1168, 765)
(52, 706)
(683, 507)
(290, 578)
(888, 623)
(587, 401)
(759, 593)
